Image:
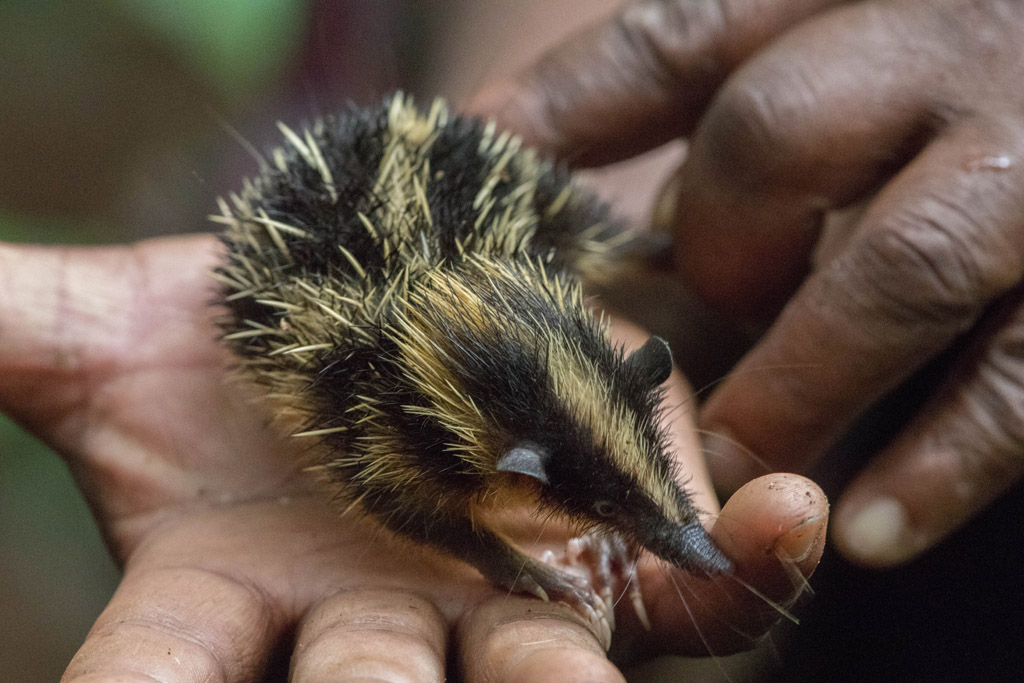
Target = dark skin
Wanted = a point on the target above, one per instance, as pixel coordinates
(230, 552)
(911, 111)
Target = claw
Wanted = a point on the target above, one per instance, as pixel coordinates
(539, 592)
(637, 600)
(574, 549)
(612, 568)
(606, 633)
(609, 608)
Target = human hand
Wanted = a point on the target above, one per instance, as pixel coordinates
(233, 560)
(795, 108)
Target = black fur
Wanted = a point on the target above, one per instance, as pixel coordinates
(505, 369)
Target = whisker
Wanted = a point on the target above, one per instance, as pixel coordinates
(746, 371)
(758, 460)
(693, 620)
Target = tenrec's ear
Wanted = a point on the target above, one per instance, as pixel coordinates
(653, 361)
(525, 458)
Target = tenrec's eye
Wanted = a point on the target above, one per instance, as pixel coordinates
(604, 508)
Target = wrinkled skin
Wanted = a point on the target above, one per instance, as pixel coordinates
(913, 112)
(236, 567)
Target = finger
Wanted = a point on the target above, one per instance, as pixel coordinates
(931, 252)
(774, 530)
(371, 635)
(179, 624)
(69, 314)
(962, 451)
(513, 639)
(639, 79)
(89, 336)
(805, 127)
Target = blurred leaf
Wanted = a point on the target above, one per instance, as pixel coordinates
(43, 230)
(237, 45)
(55, 574)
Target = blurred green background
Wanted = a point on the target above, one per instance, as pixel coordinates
(120, 120)
(104, 108)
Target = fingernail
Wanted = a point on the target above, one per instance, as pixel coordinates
(663, 215)
(878, 533)
(798, 543)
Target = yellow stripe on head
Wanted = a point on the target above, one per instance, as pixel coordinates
(578, 384)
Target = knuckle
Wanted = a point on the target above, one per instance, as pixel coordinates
(657, 52)
(991, 439)
(754, 132)
(370, 637)
(145, 633)
(405, 620)
(996, 404)
(667, 34)
(933, 265)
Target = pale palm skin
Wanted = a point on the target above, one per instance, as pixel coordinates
(231, 552)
